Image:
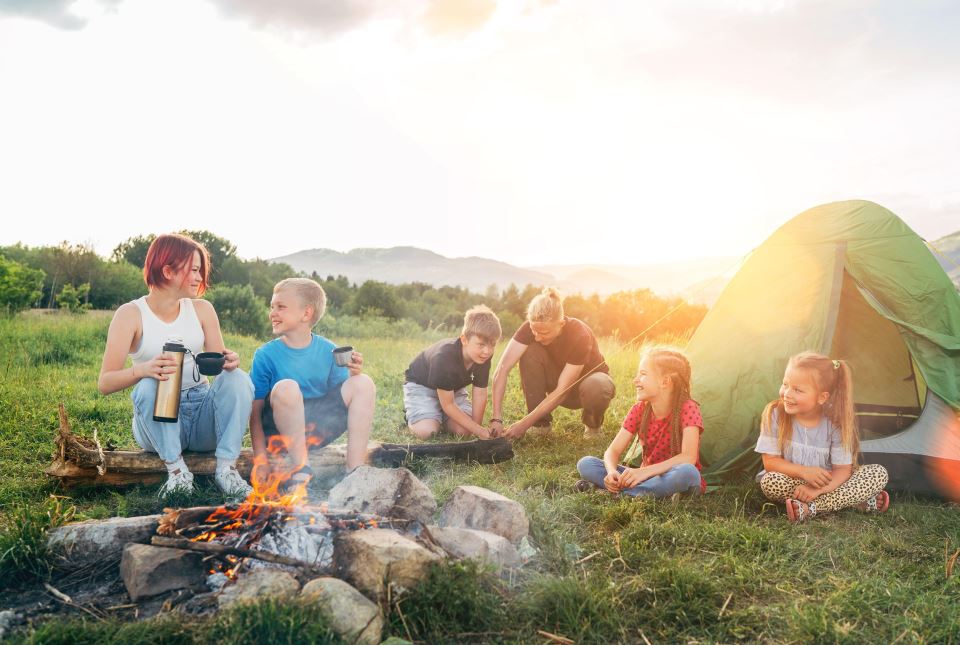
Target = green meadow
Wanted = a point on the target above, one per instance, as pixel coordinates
(721, 568)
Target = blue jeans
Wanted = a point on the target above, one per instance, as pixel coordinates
(678, 479)
(212, 417)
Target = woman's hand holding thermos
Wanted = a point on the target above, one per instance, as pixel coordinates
(159, 368)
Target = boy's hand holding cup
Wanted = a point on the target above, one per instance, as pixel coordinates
(346, 357)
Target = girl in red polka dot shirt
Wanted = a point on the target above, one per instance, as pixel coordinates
(667, 423)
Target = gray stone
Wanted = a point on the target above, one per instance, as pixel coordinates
(7, 618)
(348, 612)
(390, 492)
(372, 558)
(253, 586)
(77, 545)
(151, 570)
(472, 507)
(396, 640)
(471, 544)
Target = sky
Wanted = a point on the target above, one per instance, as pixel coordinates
(529, 131)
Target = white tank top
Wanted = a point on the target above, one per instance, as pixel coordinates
(155, 334)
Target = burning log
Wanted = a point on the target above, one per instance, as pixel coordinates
(215, 548)
(81, 461)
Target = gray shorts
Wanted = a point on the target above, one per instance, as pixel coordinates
(421, 402)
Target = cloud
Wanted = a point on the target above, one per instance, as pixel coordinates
(55, 13)
(334, 17)
(457, 17)
(327, 16)
(793, 51)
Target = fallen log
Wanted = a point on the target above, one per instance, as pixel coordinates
(81, 461)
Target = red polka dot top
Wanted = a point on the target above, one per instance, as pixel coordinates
(657, 447)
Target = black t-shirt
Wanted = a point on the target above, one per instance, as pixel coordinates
(440, 367)
(576, 345)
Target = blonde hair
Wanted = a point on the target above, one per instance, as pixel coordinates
(546, 306)
(829, 375)
(309, 292)
(672, 364)
(481, 321)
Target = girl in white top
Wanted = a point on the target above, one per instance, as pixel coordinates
(212, 417)
(809, 443)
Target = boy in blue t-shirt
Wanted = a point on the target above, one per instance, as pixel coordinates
(299, 391)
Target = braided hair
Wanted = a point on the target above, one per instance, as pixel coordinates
(671, 364)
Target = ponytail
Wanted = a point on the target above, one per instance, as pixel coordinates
(833, 376)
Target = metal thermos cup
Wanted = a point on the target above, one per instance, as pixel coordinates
(166, 407)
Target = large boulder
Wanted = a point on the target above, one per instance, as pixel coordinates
(348, 612)
(470, 544)
(253, 586)
(77, 545)
(152, 570)
(372, 558)
(390, 492)
(472, 507)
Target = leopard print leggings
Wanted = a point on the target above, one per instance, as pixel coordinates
(865, 482)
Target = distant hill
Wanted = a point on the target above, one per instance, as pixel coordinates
(401, 264)
(699, 281)
(670, 278)
(948, 255)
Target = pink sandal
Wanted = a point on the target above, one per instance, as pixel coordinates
(799, 512)
(876, 504)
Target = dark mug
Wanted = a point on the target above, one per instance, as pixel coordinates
(343, 356)
(210, 363)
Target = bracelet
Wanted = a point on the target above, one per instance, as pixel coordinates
(496, 420)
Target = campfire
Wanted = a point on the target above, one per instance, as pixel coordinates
(270, 528)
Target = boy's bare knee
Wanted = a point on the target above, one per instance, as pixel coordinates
(286, 393)
(364, 384)
(424, 429)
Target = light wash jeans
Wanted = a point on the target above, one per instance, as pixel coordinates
(212, 417)
(678, 479)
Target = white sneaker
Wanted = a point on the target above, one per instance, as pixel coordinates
(180, 481)
(592, 433)
(232, 483)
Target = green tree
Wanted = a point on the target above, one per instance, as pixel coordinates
(133, 250)
(219, 248)
(116, 283)
(239, 309)
(20, 285)
(74, 299)
(376, 299)
(339, 292)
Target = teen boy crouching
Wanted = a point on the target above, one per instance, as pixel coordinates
(435, 391)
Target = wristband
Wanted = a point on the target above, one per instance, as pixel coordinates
(496, 420)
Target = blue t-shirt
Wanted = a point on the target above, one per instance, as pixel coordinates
(312, 367)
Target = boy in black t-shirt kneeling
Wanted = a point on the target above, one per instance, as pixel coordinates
(435, 390)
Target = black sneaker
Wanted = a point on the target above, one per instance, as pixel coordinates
(584, 486)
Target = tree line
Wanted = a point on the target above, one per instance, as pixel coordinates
(74, 277)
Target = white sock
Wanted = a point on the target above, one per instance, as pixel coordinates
(179, 464)
(225, 464)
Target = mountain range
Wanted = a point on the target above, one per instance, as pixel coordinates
(401, 264)
(699, 280)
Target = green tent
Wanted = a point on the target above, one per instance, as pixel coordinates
(850, 280)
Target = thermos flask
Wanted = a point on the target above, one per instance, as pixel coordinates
(166, 407)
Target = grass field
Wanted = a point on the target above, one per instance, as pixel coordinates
(725, 567)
